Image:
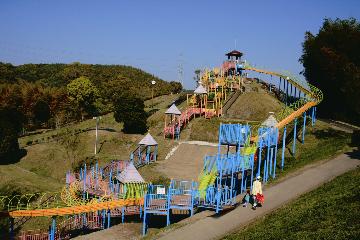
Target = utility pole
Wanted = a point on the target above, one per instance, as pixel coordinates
(96, 132)
(181, 70)
(152, 92)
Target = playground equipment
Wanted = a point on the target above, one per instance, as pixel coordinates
(218, 183)
(146, 151)
(225, 175)
(89, 199)
(95, 194)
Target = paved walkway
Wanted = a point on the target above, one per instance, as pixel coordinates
(275, 197)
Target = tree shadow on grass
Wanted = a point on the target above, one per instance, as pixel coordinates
(13, 157)
(355, 142)
(329, 134)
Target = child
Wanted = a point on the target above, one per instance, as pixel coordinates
(246, 198)
(256, 189)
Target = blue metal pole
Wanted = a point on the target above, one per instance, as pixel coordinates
(97, 175)
(108, 218)
(252, 170)
(242, 176)
(11, 229)
(103, 219)
(271, 161)
(122, 214)
(279, 84)
(294, 140)
(84, 181)
(304, 129)
(265, 165)
(276, 149)
(144, 222)
(155, 153)
(259, 160)
(287, 90)
(53, 228)
(283, 149)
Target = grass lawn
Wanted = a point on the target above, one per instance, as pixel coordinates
(329, 212)
(46, 161)
(321, 142)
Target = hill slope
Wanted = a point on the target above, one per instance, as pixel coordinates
(254, 106)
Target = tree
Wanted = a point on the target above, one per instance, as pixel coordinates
(84, 94)
(130, 110)
(41, 111)
(176, 87)
(10, 126)
(70, 141)
(197, 76)
(331, 61)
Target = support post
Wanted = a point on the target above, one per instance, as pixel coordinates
(283, 149)
(304, 129)
(84, 181)
(11, 229)
(276, 149)
(294, 140)
(53, 228)
(108, 218)
(259, 160)
(252, 170)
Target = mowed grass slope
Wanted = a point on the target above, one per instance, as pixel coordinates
(254, 106)
(43, 167)
(329, 212)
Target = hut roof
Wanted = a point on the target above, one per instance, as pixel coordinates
(148, 140)
(173, 110)
(130, 175)
(234, 53)
(200, 90)
(270, 121)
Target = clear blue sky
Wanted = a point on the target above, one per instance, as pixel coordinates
(157, 35)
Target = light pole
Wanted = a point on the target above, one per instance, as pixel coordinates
(152, 92)
(96, 132)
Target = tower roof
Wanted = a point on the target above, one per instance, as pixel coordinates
(234, 53)
(130, 175)
(148, 140)
(173, 110)
(200, 90)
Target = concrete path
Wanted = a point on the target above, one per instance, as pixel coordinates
(187, 160)
(275, 197)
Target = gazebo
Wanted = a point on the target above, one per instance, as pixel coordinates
(201, 91)
(234, 55)
(146, 151)
(173, 126)
(130, 183)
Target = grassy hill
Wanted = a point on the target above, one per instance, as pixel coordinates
(254, 106)
(329, 212)
(47, 158)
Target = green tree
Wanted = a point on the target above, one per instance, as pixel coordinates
(197, 76)
(41, 111)
(84, 94)
(176, 87)
(10, 126)
(331, 61)
(130, 110)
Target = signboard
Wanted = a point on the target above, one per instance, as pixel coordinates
(160, 190)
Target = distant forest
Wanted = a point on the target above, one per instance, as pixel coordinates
(51, 95)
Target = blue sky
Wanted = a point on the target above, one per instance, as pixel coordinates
(157, 35)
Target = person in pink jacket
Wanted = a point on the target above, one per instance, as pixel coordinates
(256, 189)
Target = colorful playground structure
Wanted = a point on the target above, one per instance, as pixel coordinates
(93, 195)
